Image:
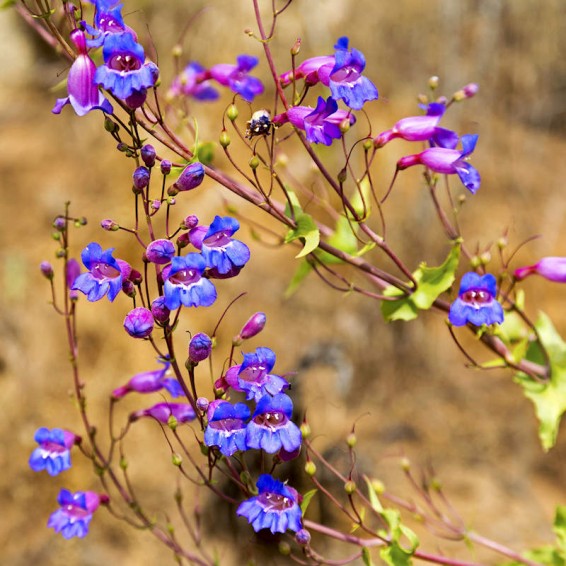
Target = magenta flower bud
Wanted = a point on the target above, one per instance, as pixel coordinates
(165, 166)
(159, 311)
(190, 222)
(202, 404)
(160, 251)
(191, 177)
(141, 177)
(156, 204)
(254, 326)
(139, 322)
(148, 155)
(200, 347)
(467, 91)
(303, 537)
(128, 288)
(109, 225)
(46, 269)
(162, 412)
(134, 276)
(59, 223)
(183, 240)
(551, 268)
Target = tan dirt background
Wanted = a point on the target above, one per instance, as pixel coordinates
(406, 386)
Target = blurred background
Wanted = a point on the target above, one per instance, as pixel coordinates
(404, 385)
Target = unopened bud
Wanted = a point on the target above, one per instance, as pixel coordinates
(350, 487)
(305, 429)
(405, 464)
(110, 125)
(368, 144)
(303, 537)
(310, 468)
(202, 404)
(109, 225)
(200, 348)
(190, 222)
(284, 548)
(156, 204)
(253, 326)
(351, 440)
(344, 125)
(59, 223)
(183, 240)
(296, 47)
(502, 242)
(165, 166)
(176, 459)
(191, 177)
(232, 112)
(46, 269)
(433, 82)
(254, 162)
(177, 51)
(342, 175)
(485, 258)
(224, 139)
(467, 91)
(148, 155)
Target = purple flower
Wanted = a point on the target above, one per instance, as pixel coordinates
(236, 77)
(125, 72)
(108, 19)
(313, 70)
(160, 251)
(271, 428)
(551, 268)
(139, 322)
(84, 94)
(223, 255)
(104, 276)
(54, 451)
(150, 381)
(185, 285)
(253, 326)
(448, 161)
(421, 128)
(162, 412)
(253, 377)
(476, 301)
(226, 426)
(200, 347)
(192, 82)
(191, 177)
(346, 81)
(75, 514)
(276, 507)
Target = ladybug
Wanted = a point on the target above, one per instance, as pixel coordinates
(259, 125)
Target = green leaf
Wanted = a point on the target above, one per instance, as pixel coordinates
(431, 283)
(362, 196)
(394, 555)
(549, 398)
(366, 558)
(205, 152)
(560, 527)
(302, 271)
(306, 230)
(343, 239)
(307, 497)
(373, 498)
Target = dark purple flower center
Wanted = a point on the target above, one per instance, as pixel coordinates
(271, 419)
(217, 240)
(476, 297)
(275, 501)
(185, 277)
(124, 62)
(227, 424)
(102, 271)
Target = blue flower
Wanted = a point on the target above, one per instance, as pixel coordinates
(476, 301)
(104, 276)
(227, 427)
(223, 255)
(236, 77)
(54, 451)
(346, 80)
(276, 507)
(185, 285)
(271, 427)
(75, 514)
(125, 72)
(108, 19)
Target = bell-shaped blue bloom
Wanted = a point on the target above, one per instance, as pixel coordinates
(227, 426)
(476, 301)
(346, 80)
(54, 451)
(223, 255)
(276, 507)
(75, 513)
(104, 276)
(271, 427)
(185, 285)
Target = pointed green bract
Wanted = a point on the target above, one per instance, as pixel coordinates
(431, 283)
(307, 499)
(549, 397)
(306, 229)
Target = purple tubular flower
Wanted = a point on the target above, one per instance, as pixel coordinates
(253, 326)
(551, 268)
(313, 70)
(150, 381)
(185, 285)
(271, 428)
(223, 255)
(104, 276)
(346, 81)
(236, 77)
(448, 161)
(139, 322)
(54, 451)
(84, 94)
(75, 513)
(276, 507)
(321, 124)
(476, 301)
(192, 82)
(227, 426)
(191, 177)
(125, 72)
(162, 412)
(253, 377)
(160, 252)
(200, 348)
